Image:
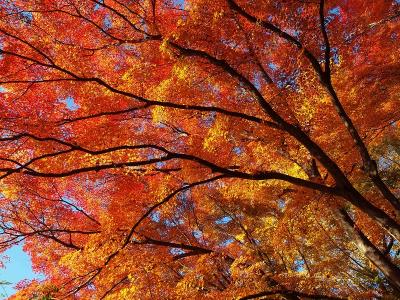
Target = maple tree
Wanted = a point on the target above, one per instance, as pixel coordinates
(201, 149)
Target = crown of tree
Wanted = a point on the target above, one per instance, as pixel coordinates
(223, 149)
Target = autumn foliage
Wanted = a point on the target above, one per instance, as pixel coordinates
(222, 149)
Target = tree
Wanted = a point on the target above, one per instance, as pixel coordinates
(202, 149)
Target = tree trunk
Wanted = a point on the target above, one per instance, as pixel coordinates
(370, 251)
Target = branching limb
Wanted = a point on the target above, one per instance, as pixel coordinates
(293, 294)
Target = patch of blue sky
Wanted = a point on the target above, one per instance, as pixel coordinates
(209, 120)
(132, 49)
(394, 253)
(155, 216)
(179, 3)
(397, 2)
(281, 204)
(348, 36)
(256, 81)
(289, 80)
(17, 268)
(27, 16)
(176, 251)
(277, 4)
(237, 150)
(6, 133)
(184, 197)
(227, 242)
(224, 220)
(150, 156)
(300, 10)
(107, 22)
(2, 89)
(215, 184)
(293, 32)
(332, 14)
(328, 19)
(356, 48)
(173, 223)
(197, 234)
(70, 103)
(160, 164)
(335, 290)
(230, 43)
(161, 125)
(66, 132)
(299, 265)
(97, 6)
(273, 66)
(334, 11)
(71, 203)
(91, 287)
(384, 163)
(335, 56)
(169, 223)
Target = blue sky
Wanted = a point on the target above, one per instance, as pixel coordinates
(69, 103)
(17, 268)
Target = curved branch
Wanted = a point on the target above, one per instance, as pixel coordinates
(40, 52)
(165, 200)
(144, 216)
(147, 102)
(269, 26)
(370, 251)
(369, 165)
(191, 249)
(169, 155)
(292, 294)
(326, 39)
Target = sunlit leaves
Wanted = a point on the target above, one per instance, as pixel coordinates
(190, 149)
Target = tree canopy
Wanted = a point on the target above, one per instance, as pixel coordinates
(198, 149)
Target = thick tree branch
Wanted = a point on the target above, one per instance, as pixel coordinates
(350, 193)
(269, 26)
(128, 238)
(165, 200)
(169, 155)
(353, 196)
(294, 294)
(326, 39)
(369, 165)
(191, 249)
(147, 102)
(391, 271)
